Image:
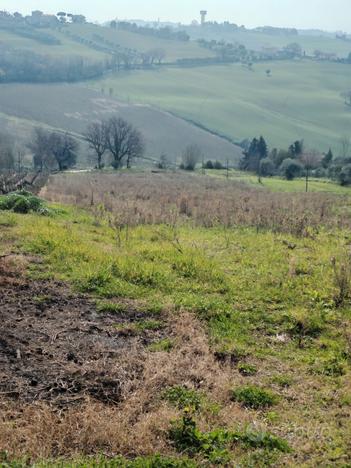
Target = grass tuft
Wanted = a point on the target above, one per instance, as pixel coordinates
(254, 397)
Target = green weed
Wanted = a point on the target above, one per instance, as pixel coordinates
(247, 369)
(214, 445)
(254, 397)
(162, 345)
(283, 381)
(95, 281)
(182, 397)
(304, 325)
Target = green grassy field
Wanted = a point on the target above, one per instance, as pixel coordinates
(142, 43)
(71, 107)
(277, 184)
(267, 301)
(65, 49)
(256, 40)
(174, 49)
(300, 101)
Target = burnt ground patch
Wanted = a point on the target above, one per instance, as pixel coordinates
(56, 347)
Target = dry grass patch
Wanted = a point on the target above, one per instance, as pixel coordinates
(139, 424)
(173, 198)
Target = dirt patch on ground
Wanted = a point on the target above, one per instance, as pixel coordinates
(56, 347)
(72, 383)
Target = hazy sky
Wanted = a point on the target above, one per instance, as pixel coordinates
(325, 14)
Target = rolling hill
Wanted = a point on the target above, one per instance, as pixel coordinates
(81, 40)
(72, 107)
(257, 40)
(174, 49)
(301, 99)
(67, 48)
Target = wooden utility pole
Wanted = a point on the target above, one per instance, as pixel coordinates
(227, 168)
(307, 175)
(19, 161)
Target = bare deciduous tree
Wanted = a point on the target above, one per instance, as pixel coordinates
(7, 159)
(124, 142)
(40, 147)
(96, 136)
(64, 149)
(345, 144)
(190, 157)
(158, 55)
(310, 160)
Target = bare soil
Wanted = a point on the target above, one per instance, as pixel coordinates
(56, 347)
(73, 384)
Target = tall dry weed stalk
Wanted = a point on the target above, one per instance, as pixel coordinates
(342, 278)
(170, 198)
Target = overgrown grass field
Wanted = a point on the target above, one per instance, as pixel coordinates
(275, 307)
(301, 100)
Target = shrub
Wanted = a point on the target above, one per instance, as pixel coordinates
(344, 176)
(190, 157)
(254, 397)
(23, 202)
(218, 165)
(183, 397)
(290, 169)
(21, 205)
(208, 165)
(320, 172)
(163, 162)
(267, 167)
(35, 203)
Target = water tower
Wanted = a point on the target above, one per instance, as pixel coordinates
(203, 14)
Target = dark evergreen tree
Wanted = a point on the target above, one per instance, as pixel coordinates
(296, 149)
(262, 148)
(327, 160)
(252, 157)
